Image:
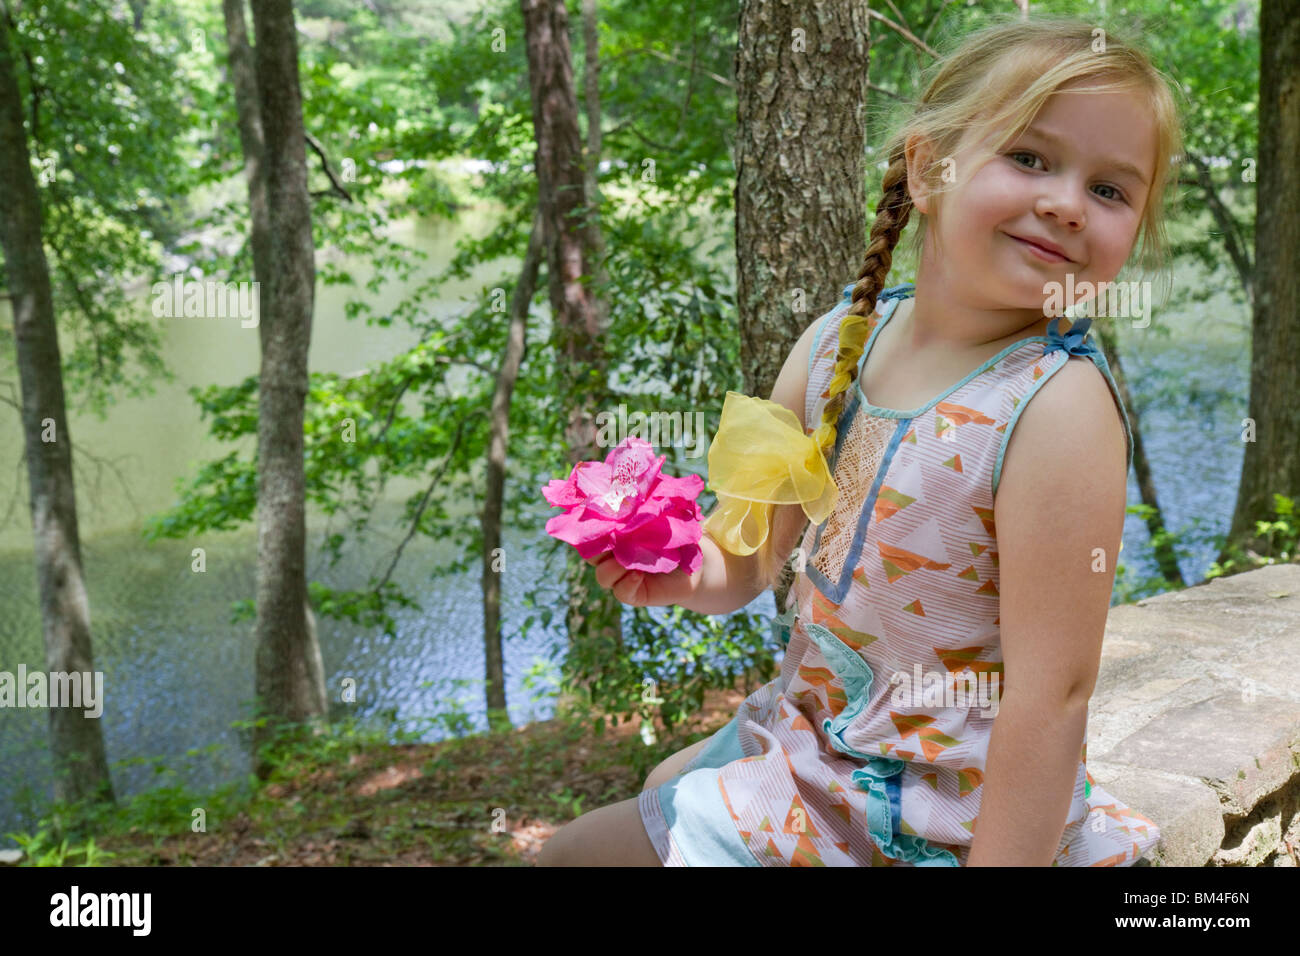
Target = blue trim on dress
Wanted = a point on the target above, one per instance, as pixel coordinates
(879, 778)
(837, 591)
(878, 411)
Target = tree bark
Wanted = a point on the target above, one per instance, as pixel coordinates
(290, 686)
(800, 170)
(76, 741)
(1272, 461)
(243, 77)
(593, 615)
(498, 716)
(591, 91)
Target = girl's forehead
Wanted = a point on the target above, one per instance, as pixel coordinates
(1090, 122)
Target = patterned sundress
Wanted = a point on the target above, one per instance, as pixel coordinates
(869, 748)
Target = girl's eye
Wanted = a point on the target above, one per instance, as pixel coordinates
(1118, 194)
(1021, 153)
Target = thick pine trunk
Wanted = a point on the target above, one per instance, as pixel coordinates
(1272, 461)
(594, 615)
(76, 741)
(494, 564)
(290, 685)
(801, 77)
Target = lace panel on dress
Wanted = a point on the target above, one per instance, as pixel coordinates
(860, 455)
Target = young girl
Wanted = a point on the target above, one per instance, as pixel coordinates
(963, 465)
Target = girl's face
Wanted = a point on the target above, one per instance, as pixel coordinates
(1063, 182)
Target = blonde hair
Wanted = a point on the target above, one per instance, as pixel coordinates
(993, 85)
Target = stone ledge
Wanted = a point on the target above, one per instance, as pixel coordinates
(1195, 718)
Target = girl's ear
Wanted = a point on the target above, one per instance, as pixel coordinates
(920, 155)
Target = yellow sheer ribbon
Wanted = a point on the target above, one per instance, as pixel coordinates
(761, 458)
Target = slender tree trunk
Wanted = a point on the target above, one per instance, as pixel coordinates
(76, 741)
(595, 235)
(1272, 460)
(801, 88)
(594, 615)
(493, 559)
(1166, 560)
(290, 686)
(243, 77)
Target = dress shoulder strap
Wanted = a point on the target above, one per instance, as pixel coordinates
(1033, 375)
(821, 357)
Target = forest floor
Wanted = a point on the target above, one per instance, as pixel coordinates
(485, 799)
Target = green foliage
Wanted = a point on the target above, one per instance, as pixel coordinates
(455, 720)
(109, 163)
(39, 849)
(1278, 542)
(662, 664)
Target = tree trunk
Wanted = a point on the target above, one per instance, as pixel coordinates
(1272, 460)
(1166, 560)
(290, 687)
(801, 78)
(801, 87)
(243, 77)
(76, 741)
(594, 615)
(591, 91)
(498, 717)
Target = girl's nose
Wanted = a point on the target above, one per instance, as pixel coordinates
(1063, 203)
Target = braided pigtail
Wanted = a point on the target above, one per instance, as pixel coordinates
(892, 214)
(891, 217)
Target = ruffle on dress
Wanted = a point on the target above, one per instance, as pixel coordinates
(874, 778)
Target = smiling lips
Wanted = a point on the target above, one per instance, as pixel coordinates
(1043, 249)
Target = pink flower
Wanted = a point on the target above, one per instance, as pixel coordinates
(625, 504)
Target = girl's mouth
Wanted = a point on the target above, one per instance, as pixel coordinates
(1045, 254)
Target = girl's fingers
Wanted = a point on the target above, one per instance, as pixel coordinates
(629, 589)
(609, 571)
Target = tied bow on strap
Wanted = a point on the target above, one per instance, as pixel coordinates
(1072, 341)
(760, 457)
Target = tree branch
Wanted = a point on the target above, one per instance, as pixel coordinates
(1231, 232)
(668, 58)
(903, 32)
(415, 522)
(880, 89)
(314, 143)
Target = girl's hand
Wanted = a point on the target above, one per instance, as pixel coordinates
(642, 588)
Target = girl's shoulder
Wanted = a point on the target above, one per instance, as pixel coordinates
(1073, 395)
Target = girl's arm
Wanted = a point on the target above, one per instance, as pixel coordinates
(1059, 518)
(725, 582)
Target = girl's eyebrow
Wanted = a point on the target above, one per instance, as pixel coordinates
(1119, 164)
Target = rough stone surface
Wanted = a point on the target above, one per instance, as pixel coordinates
(1195, 718)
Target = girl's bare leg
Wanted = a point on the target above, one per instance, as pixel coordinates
(672, 765)
(608, 836)
(614, 835)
